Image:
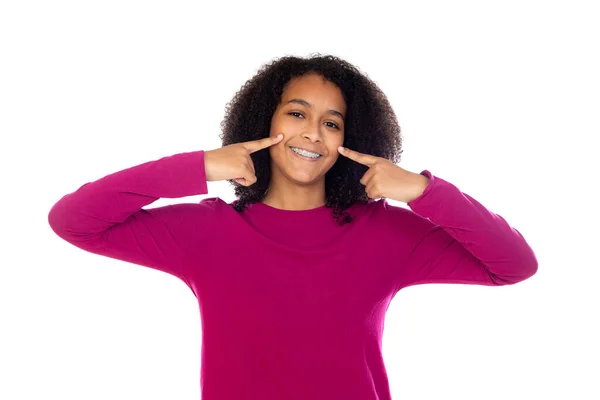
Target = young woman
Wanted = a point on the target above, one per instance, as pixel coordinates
(293, 279)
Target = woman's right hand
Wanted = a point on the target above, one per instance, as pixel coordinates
(233, 162)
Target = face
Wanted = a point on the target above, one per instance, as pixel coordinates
(311, 116)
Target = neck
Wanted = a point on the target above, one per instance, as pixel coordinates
(296, 197)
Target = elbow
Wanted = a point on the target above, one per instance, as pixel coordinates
(57, 222)
(518, 268)
(529, 265)
(524, 272)
(60, 221)
(527, 272)
(523, 265)
(54, 219)
(527, 262)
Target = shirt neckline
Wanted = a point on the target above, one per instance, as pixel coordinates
(273, 210)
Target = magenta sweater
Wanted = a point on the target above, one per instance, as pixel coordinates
(292, 305)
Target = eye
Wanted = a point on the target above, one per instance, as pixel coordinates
(334, 124)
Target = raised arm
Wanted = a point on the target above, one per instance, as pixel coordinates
(449, 237)
(106, 216)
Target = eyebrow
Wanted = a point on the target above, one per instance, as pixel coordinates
(307, 104)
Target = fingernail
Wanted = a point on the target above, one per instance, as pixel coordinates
(279, 136)
(341, 149)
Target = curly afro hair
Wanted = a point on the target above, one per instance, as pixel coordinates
(371, 126)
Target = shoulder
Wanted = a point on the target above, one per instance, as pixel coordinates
(205, 210)
(383, 215)
(382, 209)
(213, 203)
(216, 206)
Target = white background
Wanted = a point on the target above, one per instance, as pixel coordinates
(499, 98)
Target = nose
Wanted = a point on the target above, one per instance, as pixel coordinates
(316, 138)
(313, 133)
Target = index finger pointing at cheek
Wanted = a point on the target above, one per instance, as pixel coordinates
(360, 158)
(260, 144)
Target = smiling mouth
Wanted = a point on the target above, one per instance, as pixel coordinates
(305, 155)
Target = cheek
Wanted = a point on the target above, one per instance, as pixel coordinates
(281, 123)
(276, 152)
(333, 146)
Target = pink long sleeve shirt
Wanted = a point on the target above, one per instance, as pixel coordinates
(292, 305)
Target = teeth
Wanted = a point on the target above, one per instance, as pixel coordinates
(306, 153)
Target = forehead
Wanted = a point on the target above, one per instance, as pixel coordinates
(316, 90)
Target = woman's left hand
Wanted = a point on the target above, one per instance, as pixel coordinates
(385, 179)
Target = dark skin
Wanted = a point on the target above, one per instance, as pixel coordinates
(385, 179)
(299, 184)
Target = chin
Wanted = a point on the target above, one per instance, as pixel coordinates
(298, 176)
(303, 179)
